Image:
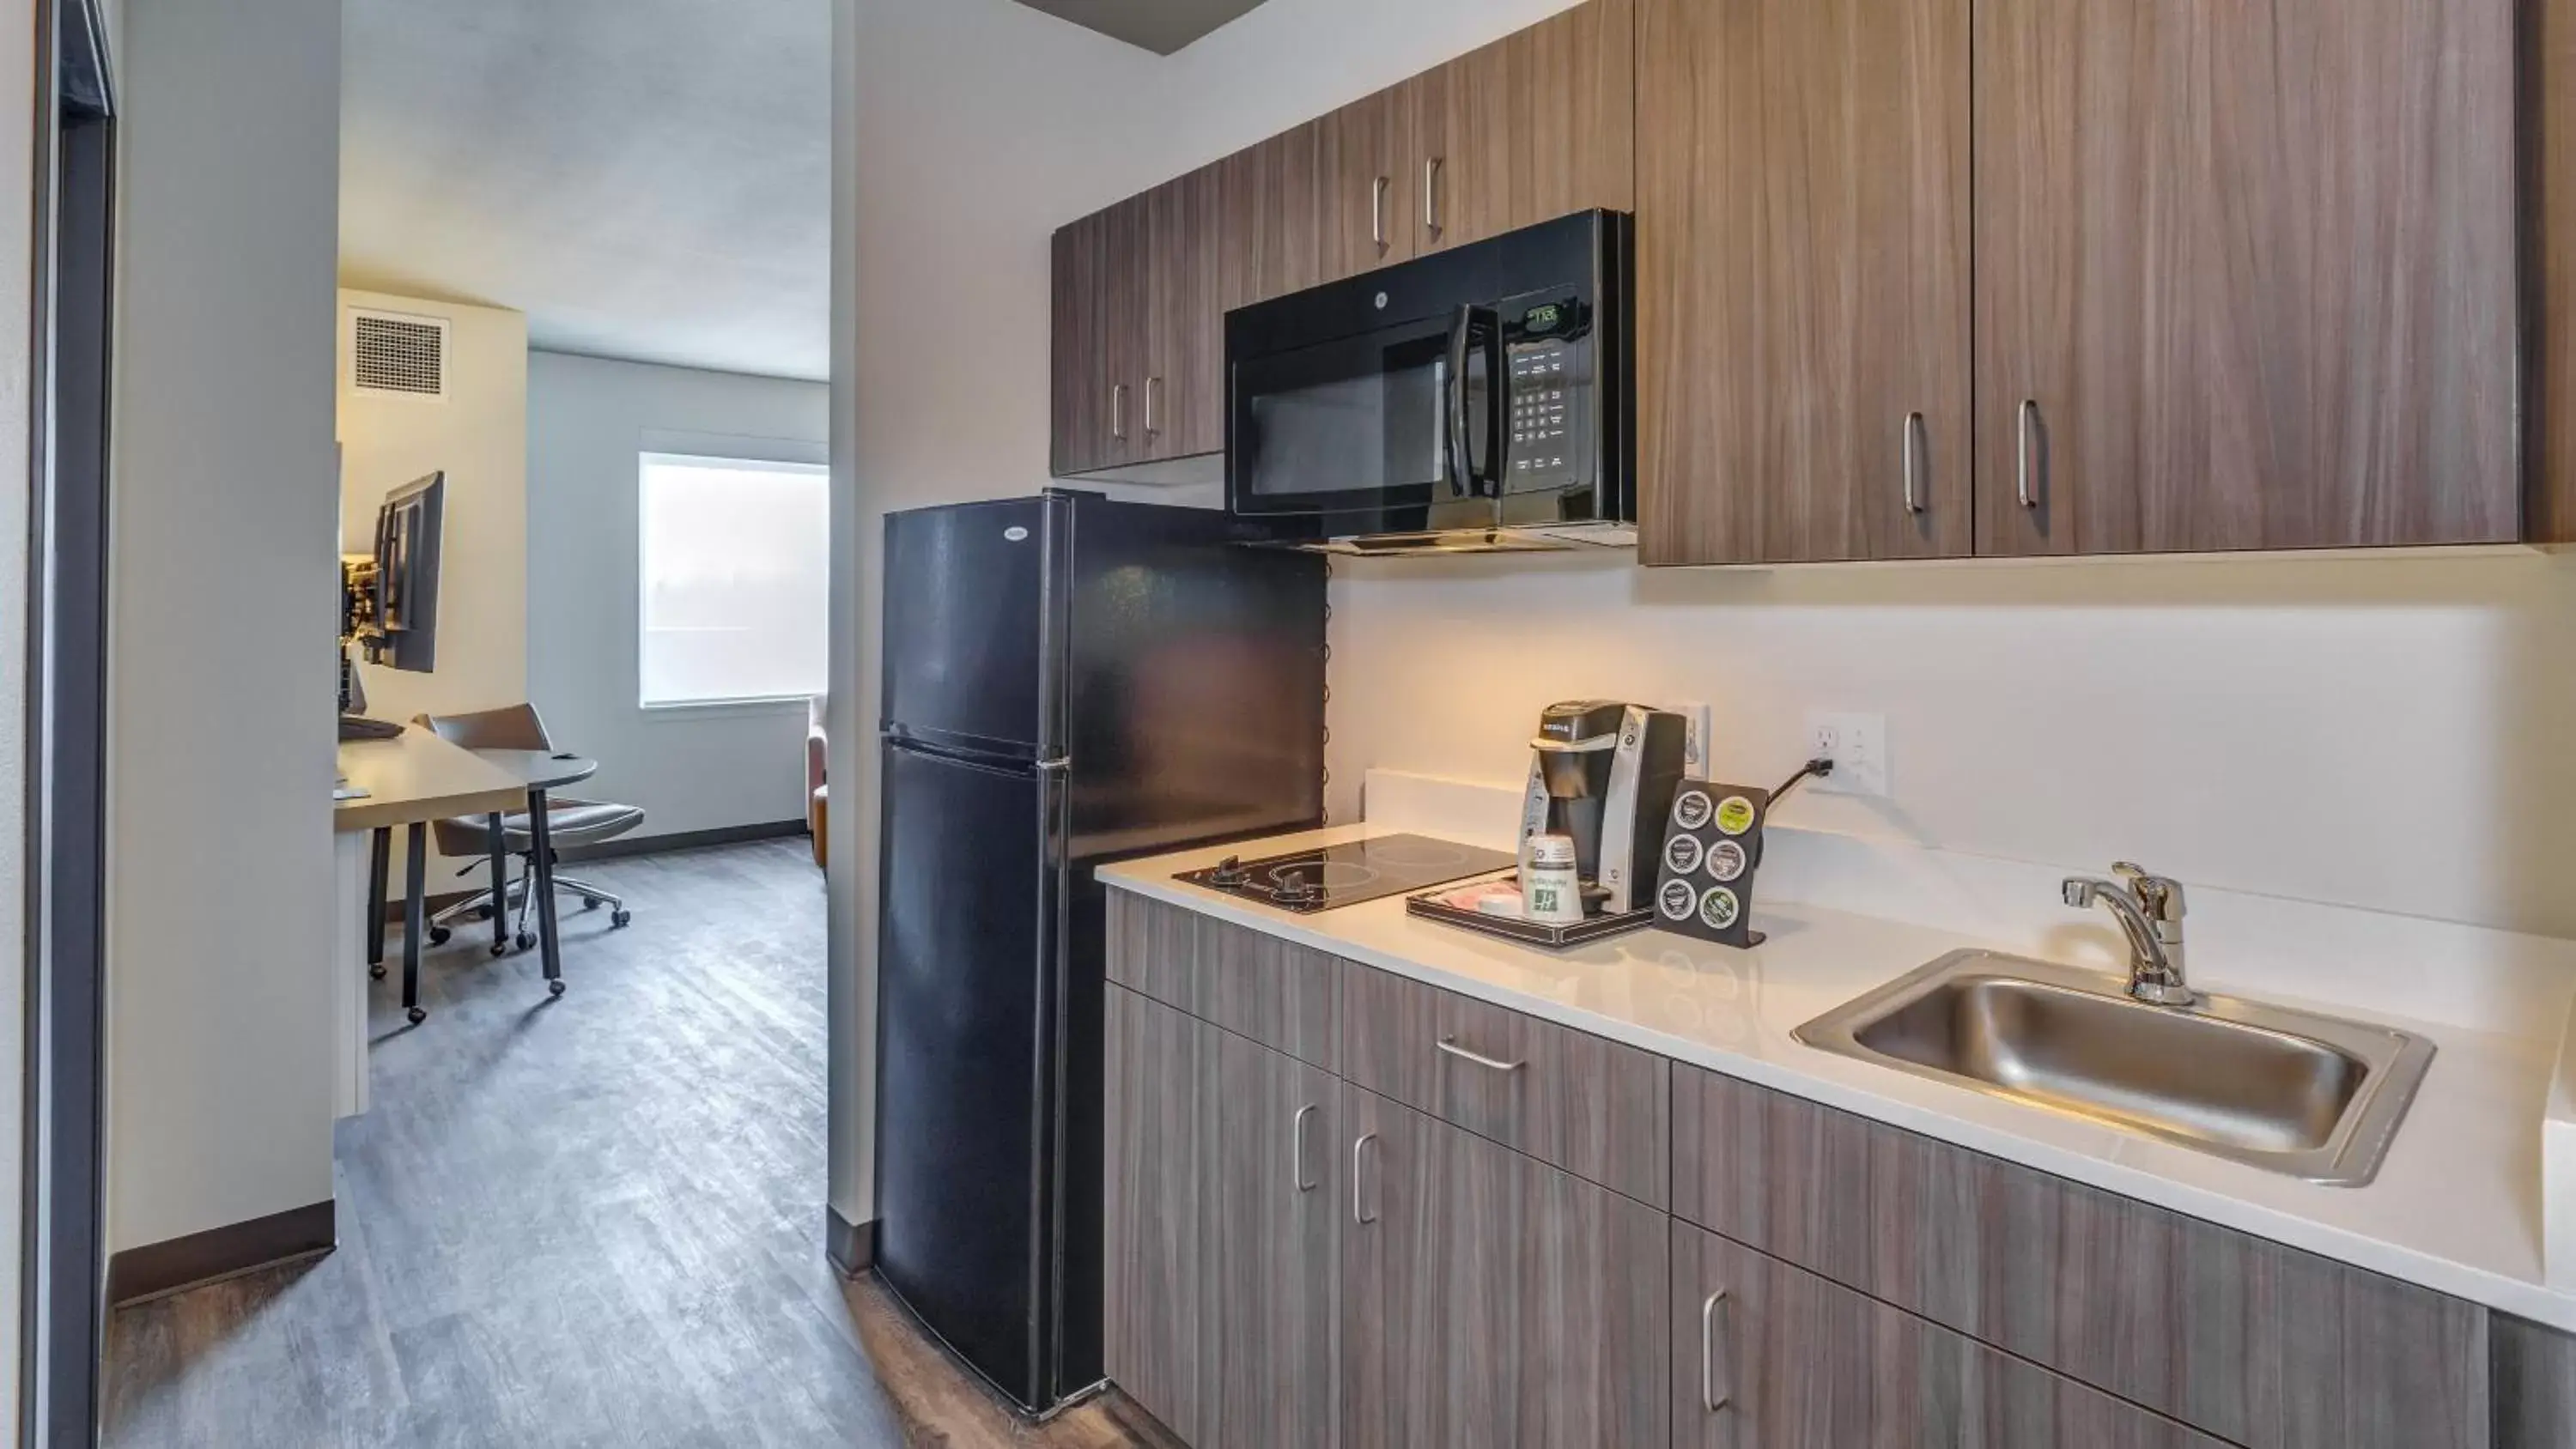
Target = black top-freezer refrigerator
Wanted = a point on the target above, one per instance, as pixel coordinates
(1068, 681)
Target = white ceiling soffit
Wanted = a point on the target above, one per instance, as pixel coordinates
(1161, 26)
(648, 179)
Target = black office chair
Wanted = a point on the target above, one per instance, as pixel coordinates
(568, 822)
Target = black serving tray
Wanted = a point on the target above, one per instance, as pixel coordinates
(1529, 933)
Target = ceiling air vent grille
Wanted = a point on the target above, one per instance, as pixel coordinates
(398, 355)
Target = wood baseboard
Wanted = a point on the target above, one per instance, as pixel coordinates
(156, 1270)
(852, 1247)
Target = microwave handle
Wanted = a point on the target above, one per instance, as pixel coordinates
(1477, 324)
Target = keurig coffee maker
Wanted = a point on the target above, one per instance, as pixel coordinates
(1604, 774)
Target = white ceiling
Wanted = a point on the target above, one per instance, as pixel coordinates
(646, 179)
(1161, 26)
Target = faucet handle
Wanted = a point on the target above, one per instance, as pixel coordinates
(2161, 895)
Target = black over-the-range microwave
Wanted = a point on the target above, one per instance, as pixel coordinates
(1477, 399)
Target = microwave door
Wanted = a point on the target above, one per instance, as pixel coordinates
(1359, 423)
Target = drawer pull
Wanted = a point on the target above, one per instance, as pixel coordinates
(1297, 1148)
(1450, 1045)
(1709, 1397)
(1359, 1214)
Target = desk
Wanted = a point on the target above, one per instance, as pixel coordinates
(409, 780)
(538, 771)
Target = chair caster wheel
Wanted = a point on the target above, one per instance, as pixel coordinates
(617, 921)
(417, 1015)
(590, 903)
(376, 972)
(500, 948)
(438, 935)
(554, 988)
(527, 940)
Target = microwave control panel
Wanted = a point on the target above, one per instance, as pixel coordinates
(1546, 346)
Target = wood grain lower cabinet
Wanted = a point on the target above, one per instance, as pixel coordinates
(2535, 1385)
(2247, 1339)
(1161, 1149)
(1490, 1301)
(1277, 993)
(1272, 1331)
(1766, 1356)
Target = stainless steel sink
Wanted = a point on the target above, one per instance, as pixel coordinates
(2306, 1095)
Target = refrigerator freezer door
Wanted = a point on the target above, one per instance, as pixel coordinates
(967, 1011)
(970, 634)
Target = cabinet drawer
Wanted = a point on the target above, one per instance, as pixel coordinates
(1792, 1361)
(1596, 1108)
(1252, 984)
(2252, 1341)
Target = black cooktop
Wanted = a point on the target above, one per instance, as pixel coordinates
(1346, 874)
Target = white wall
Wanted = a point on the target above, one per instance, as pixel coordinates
(700, 768)
(221, 745)
(478, 436)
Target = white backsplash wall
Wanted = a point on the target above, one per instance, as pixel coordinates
(2393, 733)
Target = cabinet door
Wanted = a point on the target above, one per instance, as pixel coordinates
(1161, 1148)
(1079, 419)
(1491, 1300)
(2246, 275)
(1461, 120)
(1273, 1335)
(1126, 292)
(1276, 195)
(1572, 80)
(1182, 410)
(1367, 209)
(2535, 1385)
(1768, 1357)
(1803, 275)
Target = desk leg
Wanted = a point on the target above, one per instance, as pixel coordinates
(380, 864)
(500, 884)
(541, 879)
(415, 889)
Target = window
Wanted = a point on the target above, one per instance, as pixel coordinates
(736, 580)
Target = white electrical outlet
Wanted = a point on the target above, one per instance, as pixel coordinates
(1695, 740)
(1857, 744)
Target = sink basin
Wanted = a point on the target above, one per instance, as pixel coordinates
(2306, 1095)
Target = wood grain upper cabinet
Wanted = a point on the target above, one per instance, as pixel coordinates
(1532, 127)
(1079, 410)
(1181, 410)
(1491, 1300)
(1367, 211)
(2246, 274)
(1768, 1357)
(1803, 280)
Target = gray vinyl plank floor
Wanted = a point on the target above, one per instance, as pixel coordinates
(586, 1221)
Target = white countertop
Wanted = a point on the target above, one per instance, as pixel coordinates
(2456, 1207)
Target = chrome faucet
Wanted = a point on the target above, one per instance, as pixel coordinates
(2149, 909)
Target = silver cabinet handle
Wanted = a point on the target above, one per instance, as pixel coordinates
(1431, 196)
(1360, 1214)
(2024, 486)
(1153, 388)
(1297, 1149)
(1450, 1045)
(1377, 212)
(1911, 453)
(1709, 1397)
(1118, 411)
